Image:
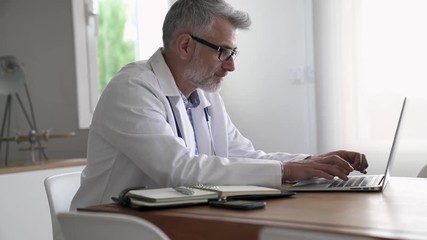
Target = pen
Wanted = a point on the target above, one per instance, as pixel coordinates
(184, 190)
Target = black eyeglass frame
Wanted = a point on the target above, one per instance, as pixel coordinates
(217, 48)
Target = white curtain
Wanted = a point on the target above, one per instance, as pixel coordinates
(369, 54)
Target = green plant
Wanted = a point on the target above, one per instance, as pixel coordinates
(114, 50)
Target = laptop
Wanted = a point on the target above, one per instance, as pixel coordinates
(361, 183)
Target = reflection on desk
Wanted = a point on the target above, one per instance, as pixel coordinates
(400, 212)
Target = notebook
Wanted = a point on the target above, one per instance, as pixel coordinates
(184, 195)
(364, 183)
(227, 191)
(169, 196)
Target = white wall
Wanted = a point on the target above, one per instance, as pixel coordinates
(24, 210)
(264, 102)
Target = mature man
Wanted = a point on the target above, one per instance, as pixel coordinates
(163, 123)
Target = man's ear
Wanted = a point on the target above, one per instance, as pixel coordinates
(184, 46)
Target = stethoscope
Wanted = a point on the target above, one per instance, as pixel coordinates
(208, 123)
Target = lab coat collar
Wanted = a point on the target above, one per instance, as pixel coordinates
(164, 76)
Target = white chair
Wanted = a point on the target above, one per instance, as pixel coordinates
(274, 233)
(107, 226)
(423, 172)
(60, 190)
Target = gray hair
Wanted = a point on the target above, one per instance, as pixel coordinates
(198, 17)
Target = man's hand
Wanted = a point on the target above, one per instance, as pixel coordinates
(357, 160)
(328, 165)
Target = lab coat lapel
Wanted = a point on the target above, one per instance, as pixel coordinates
(201, 122)
(219, 128)
(168, 86)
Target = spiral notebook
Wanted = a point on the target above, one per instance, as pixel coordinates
(228, 191)
(199, 194)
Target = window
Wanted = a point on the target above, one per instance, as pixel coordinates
(108, 34)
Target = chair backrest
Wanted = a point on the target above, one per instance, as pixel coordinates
(274, 233)
(60, 190)
(423, 172)
(107, 226)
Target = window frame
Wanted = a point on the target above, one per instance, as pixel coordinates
(84, 27)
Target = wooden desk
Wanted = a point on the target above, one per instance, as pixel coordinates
(400, 212)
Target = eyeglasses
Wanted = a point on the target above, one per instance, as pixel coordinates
(224, 54)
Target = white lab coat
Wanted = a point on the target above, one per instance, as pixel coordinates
(133, 139)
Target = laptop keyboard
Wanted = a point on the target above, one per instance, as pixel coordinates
(358, 181)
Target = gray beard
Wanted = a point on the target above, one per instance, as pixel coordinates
(201, 78)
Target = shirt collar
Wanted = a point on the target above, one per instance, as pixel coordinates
(192, 101)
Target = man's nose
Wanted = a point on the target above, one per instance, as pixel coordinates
(228, 65)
